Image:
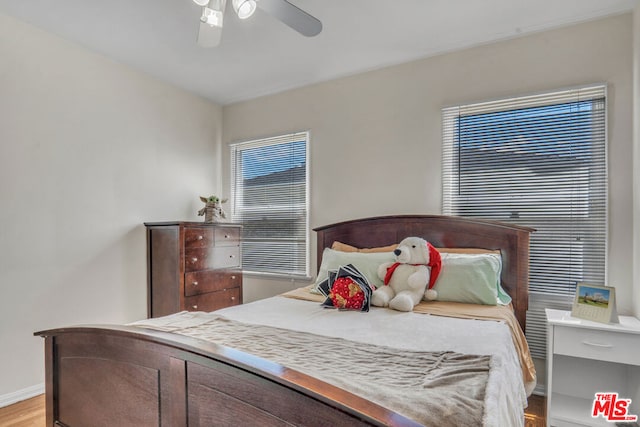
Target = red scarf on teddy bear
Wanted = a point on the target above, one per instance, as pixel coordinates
(435, 262)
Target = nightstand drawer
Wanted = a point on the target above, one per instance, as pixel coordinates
(201, 282)
(213, 300)
(597, 344)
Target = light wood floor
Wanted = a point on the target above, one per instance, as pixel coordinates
(31, 413)
(536, 412)
(28, 413)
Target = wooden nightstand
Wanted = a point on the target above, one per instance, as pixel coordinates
(193, 266)
(585, 358)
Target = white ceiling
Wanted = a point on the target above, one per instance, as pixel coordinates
(261, 55)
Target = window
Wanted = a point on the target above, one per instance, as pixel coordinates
(538, 161)
(269, 192)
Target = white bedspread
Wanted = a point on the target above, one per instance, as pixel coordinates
(505, 394)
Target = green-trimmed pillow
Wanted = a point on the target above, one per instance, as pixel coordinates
(366, 263)
(472, 279)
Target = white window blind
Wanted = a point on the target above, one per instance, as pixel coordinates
(269, 191)
(538, 161)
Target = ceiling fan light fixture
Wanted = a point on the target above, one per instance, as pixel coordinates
(244, 8)
(212, 17)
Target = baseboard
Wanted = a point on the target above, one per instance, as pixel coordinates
(540, 390)
(24, 394)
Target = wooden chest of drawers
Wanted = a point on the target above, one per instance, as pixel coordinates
(192, 266)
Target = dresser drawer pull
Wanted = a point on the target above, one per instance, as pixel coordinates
(195, 307)
(194, 259)
(232, 256)
(226, 236)
(233, 298)
(195, 283)
(233, 277)
(200, 237)
(594, 344)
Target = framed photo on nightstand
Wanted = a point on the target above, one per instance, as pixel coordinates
(596, 303)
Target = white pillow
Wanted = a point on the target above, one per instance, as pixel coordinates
(366, 263)
(471, 278)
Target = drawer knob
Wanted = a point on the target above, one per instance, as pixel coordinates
(194, 259)
(233, 277)
(233, 298)
(226, 236)
(195, 307)
(232, 256)
(200, 237)
(195, 283)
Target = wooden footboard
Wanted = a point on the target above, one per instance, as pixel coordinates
(128, 376)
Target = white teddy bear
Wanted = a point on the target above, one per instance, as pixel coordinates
(417, 267)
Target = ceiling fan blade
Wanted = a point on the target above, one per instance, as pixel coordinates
(292, 16)
(209, 36)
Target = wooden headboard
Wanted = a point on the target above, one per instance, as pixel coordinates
(446, 232)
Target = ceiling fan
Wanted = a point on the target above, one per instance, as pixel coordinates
(211, 20)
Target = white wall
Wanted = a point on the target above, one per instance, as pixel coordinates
(636, 158)
(376, 137)
(89, 150)
(636, 185)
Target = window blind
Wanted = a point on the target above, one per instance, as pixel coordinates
(269, 192)
(538, 161)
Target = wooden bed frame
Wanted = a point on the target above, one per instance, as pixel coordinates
(129, 376)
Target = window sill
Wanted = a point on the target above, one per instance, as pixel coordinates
(279, 276)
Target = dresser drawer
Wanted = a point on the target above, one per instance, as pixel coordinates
(198, 237)
(224, 236)
(597, 344)
(213, 300)
(200, 282)
(212, 258)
